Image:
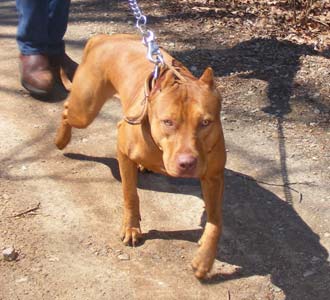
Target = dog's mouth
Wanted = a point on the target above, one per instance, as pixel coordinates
(182, 174)
(188, 175)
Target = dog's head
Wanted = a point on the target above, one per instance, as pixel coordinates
(184, 121)
(184, 117)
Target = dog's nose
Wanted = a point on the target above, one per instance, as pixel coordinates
(187, 162)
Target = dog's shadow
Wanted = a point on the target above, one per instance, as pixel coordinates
(262, 233)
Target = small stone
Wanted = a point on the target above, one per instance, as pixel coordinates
(327, 234)
(5, 196)
(9, 254)
(309, 273)
(84, 140)
(317, 111)
(315, 96)
(193, 68)
(24, 168)
(276, 289)
(53, 258)
(315, 259)
(22, 279)
(123, 256)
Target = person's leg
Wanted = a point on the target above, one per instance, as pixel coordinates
(58, 15)
(32, 30)
(58, 20)
(32, 39)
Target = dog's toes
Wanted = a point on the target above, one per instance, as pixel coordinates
(131, 236)
(200, 269)
(202, 263)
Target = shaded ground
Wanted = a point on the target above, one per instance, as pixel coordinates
(277, 203)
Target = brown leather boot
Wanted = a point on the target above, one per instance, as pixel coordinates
(36, 75)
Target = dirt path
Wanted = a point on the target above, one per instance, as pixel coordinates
(277, 198)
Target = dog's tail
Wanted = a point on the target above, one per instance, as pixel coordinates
(65, 80)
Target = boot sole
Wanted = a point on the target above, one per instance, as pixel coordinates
(34, 91)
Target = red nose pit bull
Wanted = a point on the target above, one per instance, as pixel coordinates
(171, 126)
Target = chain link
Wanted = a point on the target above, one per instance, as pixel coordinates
(153, 53)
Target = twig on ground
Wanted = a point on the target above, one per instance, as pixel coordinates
(228, 295)
(320, 22)
(26, 211)
(287, 185)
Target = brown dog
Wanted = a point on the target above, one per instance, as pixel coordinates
(171, 126)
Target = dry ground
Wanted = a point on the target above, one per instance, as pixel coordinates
(277, 203)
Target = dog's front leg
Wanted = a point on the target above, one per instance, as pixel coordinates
(131, 232)
(212, 189)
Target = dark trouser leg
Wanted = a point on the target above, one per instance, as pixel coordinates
(58, 15)
(32, 30)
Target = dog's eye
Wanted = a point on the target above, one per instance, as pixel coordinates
(205, 123)
(168, 123)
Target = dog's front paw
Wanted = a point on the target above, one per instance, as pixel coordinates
(131, 235)
(202, 263)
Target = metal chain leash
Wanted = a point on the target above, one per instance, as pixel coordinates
(153, 52)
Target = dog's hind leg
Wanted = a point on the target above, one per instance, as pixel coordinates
(63, 134)
(88, 94)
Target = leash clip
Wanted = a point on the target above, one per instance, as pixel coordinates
(153, 53)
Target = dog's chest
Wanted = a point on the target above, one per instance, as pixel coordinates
(149, 158)
(140, 148)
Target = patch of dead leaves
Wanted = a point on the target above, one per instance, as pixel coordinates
(299, 21)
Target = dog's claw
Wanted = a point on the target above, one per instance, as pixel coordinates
(131, 236)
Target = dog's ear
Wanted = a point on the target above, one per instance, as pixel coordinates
(207, 77)
(167, 80)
